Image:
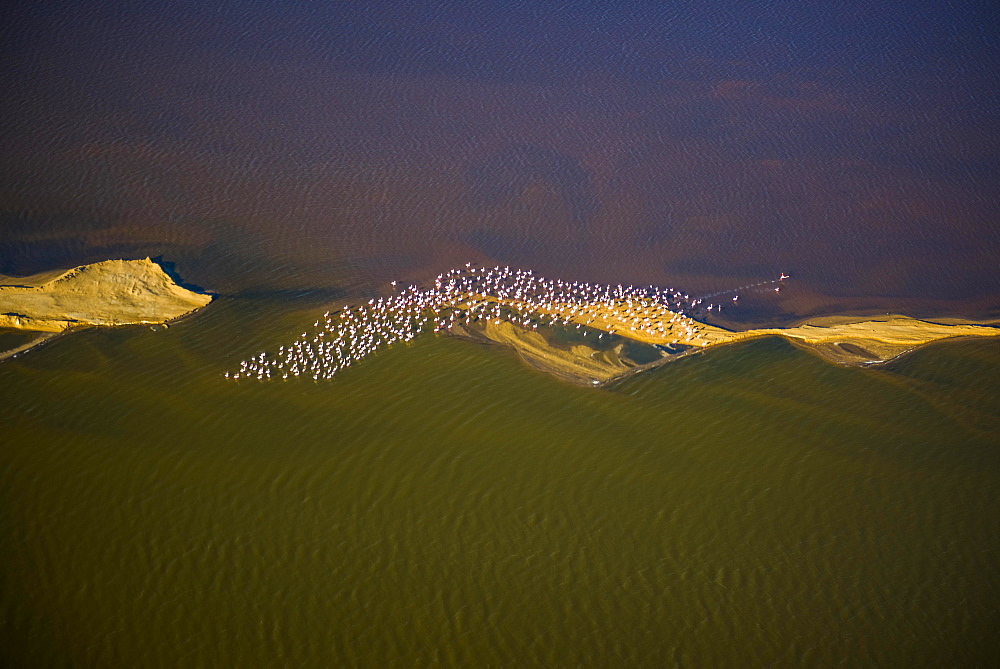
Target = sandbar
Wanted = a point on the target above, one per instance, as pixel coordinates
(843, 340)
(108, 293)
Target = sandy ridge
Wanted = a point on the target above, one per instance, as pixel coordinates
(112, 292)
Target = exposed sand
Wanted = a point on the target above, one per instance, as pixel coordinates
(845, 340)
(840, 339)
(852, 341)
(113, 292)
(578, 363)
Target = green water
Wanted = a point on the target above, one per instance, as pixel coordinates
(441, 503)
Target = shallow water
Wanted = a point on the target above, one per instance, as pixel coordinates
(440, 502)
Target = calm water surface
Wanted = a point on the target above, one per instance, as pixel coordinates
(441, 503)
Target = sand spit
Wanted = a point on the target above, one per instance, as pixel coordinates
(849, 340)
(590, 334)
(840, 340)
(845, 340)
(113, 292)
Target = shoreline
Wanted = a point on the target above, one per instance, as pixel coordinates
(32, 344)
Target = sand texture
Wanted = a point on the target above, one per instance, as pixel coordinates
(113, 292)
(843, 340)
(575, 362)
(856, 341)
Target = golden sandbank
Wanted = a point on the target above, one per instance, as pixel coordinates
(844, 340)
(108, 293)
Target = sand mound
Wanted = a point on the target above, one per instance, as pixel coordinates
(113, 292)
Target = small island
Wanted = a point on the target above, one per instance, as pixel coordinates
(108, 293)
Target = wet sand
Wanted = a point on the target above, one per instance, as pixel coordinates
(844, 340)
